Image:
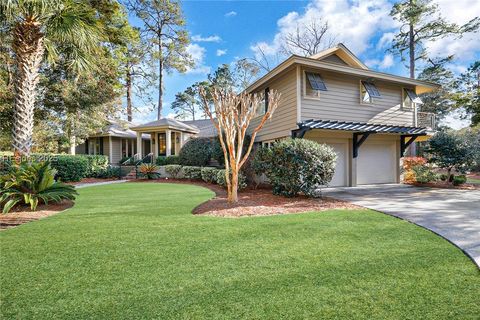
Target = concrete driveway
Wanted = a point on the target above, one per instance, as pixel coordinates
(453, 214)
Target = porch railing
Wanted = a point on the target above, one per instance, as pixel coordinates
(426, 120)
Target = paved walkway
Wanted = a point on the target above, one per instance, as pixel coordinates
(452, 213)
(83, 185)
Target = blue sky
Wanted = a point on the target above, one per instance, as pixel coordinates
(223, 31)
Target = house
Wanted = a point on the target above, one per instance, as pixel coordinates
(116, 141)
(368, 117)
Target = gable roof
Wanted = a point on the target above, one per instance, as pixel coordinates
(343, 53)
(166, 123)
(205, 126)
(119, 129)
(294, 60)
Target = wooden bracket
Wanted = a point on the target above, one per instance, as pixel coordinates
(357, 142)
(300, 133)
(404, 143)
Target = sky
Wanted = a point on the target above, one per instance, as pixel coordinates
(225, 31)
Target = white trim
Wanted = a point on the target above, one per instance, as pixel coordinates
(299, 94)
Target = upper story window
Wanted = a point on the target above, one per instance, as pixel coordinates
(368, 91)
(409, 98)
(262, 108)
(314, 84)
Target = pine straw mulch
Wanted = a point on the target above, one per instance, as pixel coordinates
(21, 214)
(257, 202)
(443, 185)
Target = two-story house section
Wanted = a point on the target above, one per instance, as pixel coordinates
(368, 117)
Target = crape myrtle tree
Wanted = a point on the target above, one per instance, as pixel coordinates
(231, 117)
(39, 29)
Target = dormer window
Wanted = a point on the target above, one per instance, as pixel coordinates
(409, 98)
(368, 91)
(314, 84)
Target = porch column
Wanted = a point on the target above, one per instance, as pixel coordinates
(126, 147)
(110, 150)
(181, 140)
(152, 146)
(139, 144)
(155, 145)
(168, 140)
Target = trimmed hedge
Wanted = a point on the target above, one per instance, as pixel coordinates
(173, 170)
(296, 166)
(70, 168)
(163, 161)
(196, 152)
(192, 172)
(209, 174)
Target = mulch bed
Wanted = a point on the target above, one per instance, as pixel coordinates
(257, 202)
(21, 214)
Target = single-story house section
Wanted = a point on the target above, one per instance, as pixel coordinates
(116, 141)
(167, 136)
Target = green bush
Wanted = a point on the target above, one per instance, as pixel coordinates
(173, 170)
(192, 172)
(163, 161)
(222, 181)
(217, 150)
(96, 164)
(209, 174)
(32, 183)
(70, 168)
(458, 180)
(196, 152)
(423, 174)
(109, 172)
(149, 171)
(296, 166)
(443, 177)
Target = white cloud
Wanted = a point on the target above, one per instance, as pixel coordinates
(386, 40)
(353, 23)
(171, 115)
(385, 63)
(221, 52)
(199, 38)
(231, 14)
(198, 55)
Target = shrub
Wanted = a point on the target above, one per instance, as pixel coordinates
(222, 181)
(149, 170)
(410, 162)
(70, 168)
(217, 151)
(192, 172)
(173, 170)
(96, 164)
(196, 152)
(423, 174)
(109, 172)
(209, 174)
(443, 177)
(296, 166)
(458, 180)
(32, 183)
(163, 161)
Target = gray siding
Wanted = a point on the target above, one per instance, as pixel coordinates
(116, 150)
(334, 59)
(284, 118)
(342, 102)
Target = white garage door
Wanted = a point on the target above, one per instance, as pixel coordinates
(376, 163)
(340, 176)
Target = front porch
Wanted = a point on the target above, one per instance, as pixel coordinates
(167, 137)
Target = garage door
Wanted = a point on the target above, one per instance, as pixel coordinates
(340, 176)
(376, 163)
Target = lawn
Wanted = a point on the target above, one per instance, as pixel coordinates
(133, 250)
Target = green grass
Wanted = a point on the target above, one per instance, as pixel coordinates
(472, 180)
(134, 251)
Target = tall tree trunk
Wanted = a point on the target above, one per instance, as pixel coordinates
(28, 47)
(233, 192)
(129, 93)
(411, 45)
(160, 90)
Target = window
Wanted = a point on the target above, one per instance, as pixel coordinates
(162, 144)
(409, 98)
(314, 84)
(263, 107)
(368, 91)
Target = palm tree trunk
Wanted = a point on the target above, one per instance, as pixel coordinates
(29, 48)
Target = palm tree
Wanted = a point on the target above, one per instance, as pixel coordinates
(44, 31)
